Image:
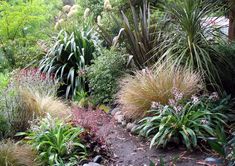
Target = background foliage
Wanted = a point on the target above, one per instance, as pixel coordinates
(104, 74)
(21, 27)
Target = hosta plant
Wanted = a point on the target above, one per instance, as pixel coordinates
(68, 58)
(57, 143)
(183, 121)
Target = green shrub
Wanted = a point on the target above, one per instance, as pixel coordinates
(4, 126)
(82, 99)
(183, 121)
(227, 72)
(68, 59)
(104, 74)
(57, 143)
(4, 81)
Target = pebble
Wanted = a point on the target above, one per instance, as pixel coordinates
(117, 113)
(114, 111)
(97, 159)
(92, 164)
(119, 118)
(124, 123)
(130, 126)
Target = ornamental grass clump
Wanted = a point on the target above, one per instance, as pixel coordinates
(154, 85)
(40, 105)
(12, 154)
(28, 95)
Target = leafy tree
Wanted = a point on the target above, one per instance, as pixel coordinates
(21, 23)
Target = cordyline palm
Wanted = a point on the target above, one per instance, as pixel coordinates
(191, 45)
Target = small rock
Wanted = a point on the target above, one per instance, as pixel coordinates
(129, 126)
(92, 164)
(117, 114)
(114, 111)
(211, 160)
(119, 118)
(97, 159)
(124, 123)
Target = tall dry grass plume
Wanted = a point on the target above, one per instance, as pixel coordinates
(155, 85)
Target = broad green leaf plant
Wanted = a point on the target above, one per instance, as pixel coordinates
(68, 59)
(57, 143)
(182, 121)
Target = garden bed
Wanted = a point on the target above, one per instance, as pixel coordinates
(127, 149)
(116, 83)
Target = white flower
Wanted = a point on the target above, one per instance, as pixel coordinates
(177, 94)
(204, 122)
(72, 13)
(155, 105)
(69, 147)
(107, 5)
(178, 109)
(214, 96)
(99, 18)
(195, 99)
(172, 102)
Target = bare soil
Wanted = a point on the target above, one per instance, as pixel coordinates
(129, 150)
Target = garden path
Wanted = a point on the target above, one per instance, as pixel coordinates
(129, 150)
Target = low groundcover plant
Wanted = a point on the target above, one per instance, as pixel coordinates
(57, 143)
(182, 121)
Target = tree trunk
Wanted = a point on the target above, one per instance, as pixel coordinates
(231, 33)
